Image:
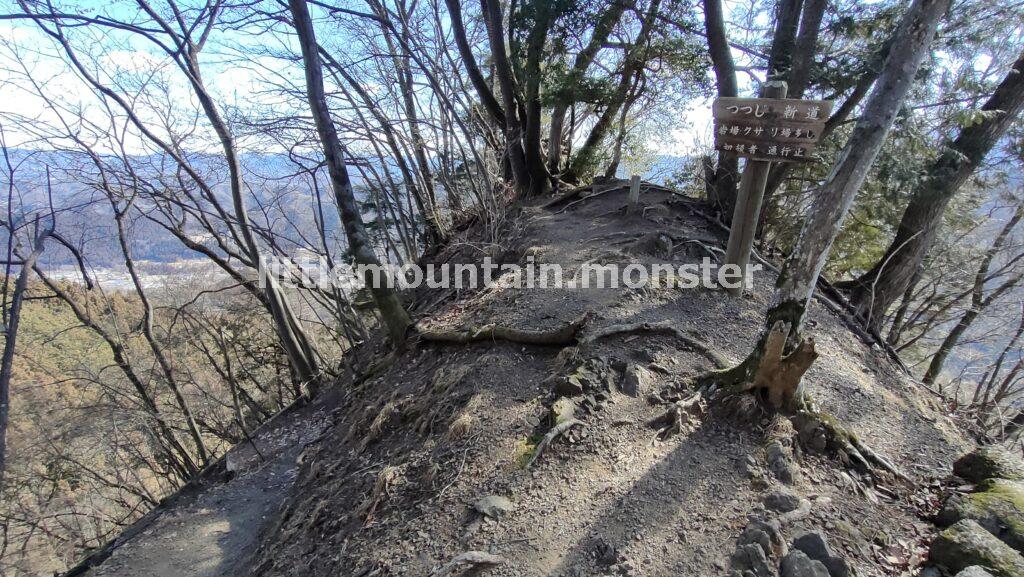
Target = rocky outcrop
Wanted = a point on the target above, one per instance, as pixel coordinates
(989, 463)
(967, 544)
(998, 506)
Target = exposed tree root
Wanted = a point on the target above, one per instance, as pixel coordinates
(678, 417)
(591, 197)
(802, 510)
(555, 432)
(667, 327)
(567, 196)
(558, 336)
(776, 379)
(841, 440)
(471, 558)
(768, 371)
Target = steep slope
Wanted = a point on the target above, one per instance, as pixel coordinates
(211, 527)
(390, 486)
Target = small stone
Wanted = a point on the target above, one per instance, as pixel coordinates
(570, 386)
(493, 506)
(974, 571)
(814, 544)
(635, 380)
(779, 463)
(751, 557)
(798, 564)
(563, 410)
(782, 501)
(767, 534)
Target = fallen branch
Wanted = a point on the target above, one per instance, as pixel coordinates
(472, 558)
(558, 336)
(554, 433)
(666, 327)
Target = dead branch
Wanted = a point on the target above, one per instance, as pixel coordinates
(691, 343)
(554, 433)
(558, 336)
(472, 558)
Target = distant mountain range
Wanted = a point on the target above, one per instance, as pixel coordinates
(280, 193)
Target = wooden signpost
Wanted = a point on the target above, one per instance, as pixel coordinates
(763, 130)
(770, 129)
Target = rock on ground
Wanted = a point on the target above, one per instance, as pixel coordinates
(989, 463)
(974, 571)
(967, 543)
(798, 564)
(998, 506)
(815, 545)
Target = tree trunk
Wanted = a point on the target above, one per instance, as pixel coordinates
(540, 180)
(800, 273)
(876, 290)
(726, 173)
(602, 29)
(632, 71)
(394, 316)
(506, 85)
(11, 336)
(787, 21)
(806, 47)
(487, 98)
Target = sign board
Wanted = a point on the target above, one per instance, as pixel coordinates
(771, 129)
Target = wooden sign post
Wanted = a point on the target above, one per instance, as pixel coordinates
(763, 130)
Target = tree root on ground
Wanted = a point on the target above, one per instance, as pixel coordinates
(558, 336)
(770, 372)
(557, 431)
(667, 327)
(471, 558)
(775, 378)
(678, 417)
(841, 440)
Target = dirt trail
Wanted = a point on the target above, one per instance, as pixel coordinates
(392, 488)
(391, 485)
(214, 533)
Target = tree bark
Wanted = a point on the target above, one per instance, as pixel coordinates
(806, 47)
(11, 336)
(506, 85)
(394, 316)
(876, 290)
(787, 21)
(726, 173)
(487, 98)
(540, 180)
